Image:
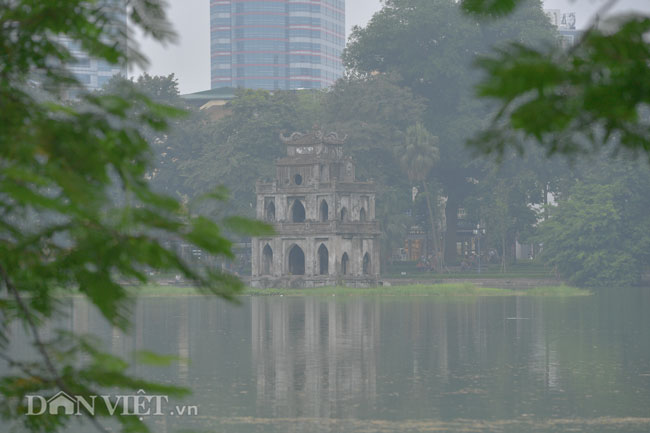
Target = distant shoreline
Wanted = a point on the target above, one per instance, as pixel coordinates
(455, 289)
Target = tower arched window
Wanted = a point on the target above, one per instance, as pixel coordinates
(366, 264)
(296, 261)
(267, 260)
(297, 212)
(324, 210)
(323, 260)
(345, 264)
(270, 212)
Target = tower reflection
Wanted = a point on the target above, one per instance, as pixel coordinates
(313, 358)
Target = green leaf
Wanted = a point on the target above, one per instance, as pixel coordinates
(151, 358)
(247, 226)
(206, 235)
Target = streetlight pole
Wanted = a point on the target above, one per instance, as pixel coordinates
(478, 231)
(479, 253)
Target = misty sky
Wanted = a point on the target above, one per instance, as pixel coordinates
(189, 58)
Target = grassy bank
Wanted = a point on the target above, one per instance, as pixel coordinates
(453, 289)
(522, 269)
(556, 291)
(460, 289)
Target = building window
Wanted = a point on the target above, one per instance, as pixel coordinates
(83, 78)
(82, 62)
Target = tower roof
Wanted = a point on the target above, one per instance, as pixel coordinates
(315, 137)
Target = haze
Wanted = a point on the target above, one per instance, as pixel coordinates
(189, 58)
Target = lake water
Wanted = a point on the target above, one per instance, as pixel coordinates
(385, 364)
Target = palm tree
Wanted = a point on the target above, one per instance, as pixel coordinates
(420, 156)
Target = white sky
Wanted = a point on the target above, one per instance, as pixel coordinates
(189, 58)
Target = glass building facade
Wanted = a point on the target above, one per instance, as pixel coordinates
(93, 73)
(276, 44)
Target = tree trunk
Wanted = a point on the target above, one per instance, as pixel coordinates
(545, 201)
(451, 216)
(434, 231)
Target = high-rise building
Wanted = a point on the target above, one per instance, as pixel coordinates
(276, 44)
(94, 73)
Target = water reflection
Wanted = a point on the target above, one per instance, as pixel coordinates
(312, 358)
(485, 359)
(385, 364)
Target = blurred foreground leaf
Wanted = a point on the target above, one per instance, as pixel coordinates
(77, 213)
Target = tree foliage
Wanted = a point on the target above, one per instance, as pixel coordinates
(594, 95)
(62, 226)
(239, 148)
(429, 46)
(418, 158)
(507, 211)
(598, 234)
(375, 112)
(579, 101)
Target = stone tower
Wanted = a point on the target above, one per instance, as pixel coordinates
(326, 232)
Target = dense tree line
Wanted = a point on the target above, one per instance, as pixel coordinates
(599, 232)
(430, 46)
